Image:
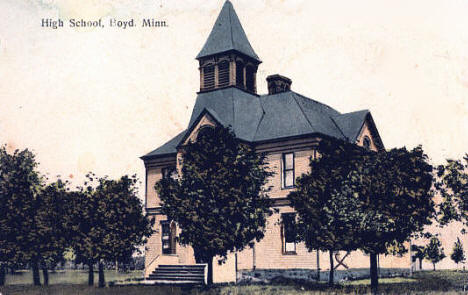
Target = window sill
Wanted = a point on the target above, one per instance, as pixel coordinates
(290, 253)
(173, 255)
(288, 187)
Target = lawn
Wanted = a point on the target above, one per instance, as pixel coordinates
(75, 277)
(439, 282)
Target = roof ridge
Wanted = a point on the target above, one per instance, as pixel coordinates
(261, 118)
(302, 110)
(339, 128)
(230, 22)
(316, 101)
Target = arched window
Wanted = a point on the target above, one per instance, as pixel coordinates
(209, 77)
(366, 142)
(205, 130)
(240, 74)
(223, 73)
(250, 78)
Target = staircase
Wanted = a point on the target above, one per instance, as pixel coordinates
(179, 274)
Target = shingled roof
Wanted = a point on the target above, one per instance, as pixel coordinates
(269, 117)
(227, 34)
(254, 118)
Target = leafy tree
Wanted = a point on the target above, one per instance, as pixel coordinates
(20, 183)
(458, 254)
(51, 226)
(452, 184)
(434, 251)
(374, 201)
(397, 200)
(219, 202)
(108, 222)
(418, 253)
(327, 203)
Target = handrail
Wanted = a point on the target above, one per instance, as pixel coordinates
(152, 261)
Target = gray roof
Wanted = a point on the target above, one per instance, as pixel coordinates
(168, 148)
(351, 123)
(227, 34)
(269, 117)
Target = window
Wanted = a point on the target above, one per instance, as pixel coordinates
(169, 172)
(209, 77)
(288, 170)
(250, 78)
(366, 142)
(240, 74)
(168, 233)
(288, 233)
(223, 73)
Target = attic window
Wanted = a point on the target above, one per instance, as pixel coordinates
(209, 77)
(223, 73)
(239, 74)
(366, 142)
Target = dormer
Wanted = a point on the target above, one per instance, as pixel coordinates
(227, 58)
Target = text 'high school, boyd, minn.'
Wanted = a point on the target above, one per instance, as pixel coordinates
(100, 23)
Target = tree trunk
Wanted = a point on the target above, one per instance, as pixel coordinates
(90, 273)
(318, 265)
(420, 264)
(373, 273)
(2, 274)
(331, 274)
(102, 281)
(35, 270)
(45, 274)
(210, 271)
(433, 264)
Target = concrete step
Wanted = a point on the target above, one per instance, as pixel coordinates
(178, 274)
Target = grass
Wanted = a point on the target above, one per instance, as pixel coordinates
(439, 282)
(75, 277)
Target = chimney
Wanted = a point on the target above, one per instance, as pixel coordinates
(278, 84)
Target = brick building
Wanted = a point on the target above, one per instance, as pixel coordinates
(284, 124)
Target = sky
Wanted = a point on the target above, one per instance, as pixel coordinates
(98, 99)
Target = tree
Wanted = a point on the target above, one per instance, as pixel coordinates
(327, 203)
(418, 254)
(220, 201)
(452, 185)
(51, 225)
(374, 201)
(458, 254)
(108, 222)
(434, 251)
(397, 200)
(20, 183)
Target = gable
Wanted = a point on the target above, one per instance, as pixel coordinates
(205, 120)
(369, 130)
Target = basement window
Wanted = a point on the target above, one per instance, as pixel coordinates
(288, 233)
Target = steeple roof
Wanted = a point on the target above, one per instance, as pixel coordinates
(227, 34)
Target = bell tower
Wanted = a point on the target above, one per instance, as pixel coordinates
(227, 59)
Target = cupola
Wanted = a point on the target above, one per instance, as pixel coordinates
(227, 58)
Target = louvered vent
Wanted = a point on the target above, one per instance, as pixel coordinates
(223, 73)
(209, 77)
